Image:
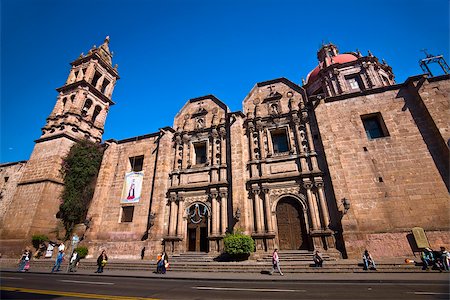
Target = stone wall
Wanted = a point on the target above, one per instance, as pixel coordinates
(392, 182)
(10, 174)
(123, 239)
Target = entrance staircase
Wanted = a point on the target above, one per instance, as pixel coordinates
(291, 262)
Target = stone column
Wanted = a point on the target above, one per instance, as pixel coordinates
(312, 210)
(259, 217)
(251, 142)
(223, 210)
(185, 152)
(268, 210)
(323, 205)
(311, 147)
(213, 149)
(223, 154)
(300, 138)
(180, 216)
(99, 84)
(173, 215)
(215, 214)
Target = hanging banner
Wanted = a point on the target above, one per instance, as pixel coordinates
(132, 187)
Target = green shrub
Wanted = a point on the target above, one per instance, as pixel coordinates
(238, 243)
(82, 251)
(37, 239)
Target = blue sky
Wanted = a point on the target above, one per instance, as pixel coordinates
(171, 51)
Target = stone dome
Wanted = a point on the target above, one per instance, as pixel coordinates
(338, 59)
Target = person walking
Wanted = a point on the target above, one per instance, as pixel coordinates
(142, 253)
(276, 262)
(24, 261)
(159, 263)
(73, 262)
(318, 259)
(368, 260)
(165, 262)
(101, 261)
(59, 260)
(445, 255)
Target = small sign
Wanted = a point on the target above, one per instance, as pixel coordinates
(420, 237)
(49, 252)
(75, 240)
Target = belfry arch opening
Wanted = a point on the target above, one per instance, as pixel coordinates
(291, 224)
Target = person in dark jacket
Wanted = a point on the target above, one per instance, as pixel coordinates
(101, 261)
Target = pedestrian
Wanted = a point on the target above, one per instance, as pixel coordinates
(159, 263)
(276, 262)
(318, 259)
(427, 258)
(101, 261)
(58, 262)
(142, 253)
(445, 257)
(368, 260)
(24, 261)
(74, 262)
(165, 262)
(61, 247)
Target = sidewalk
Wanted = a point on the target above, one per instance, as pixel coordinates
(336, 277)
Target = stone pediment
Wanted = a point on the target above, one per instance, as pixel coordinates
(273, 98)
(201, 113)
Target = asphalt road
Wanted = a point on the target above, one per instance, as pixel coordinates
(62, 286)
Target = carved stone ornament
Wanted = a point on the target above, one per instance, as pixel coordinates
(277, 192)
(307, 185)
(192, 199)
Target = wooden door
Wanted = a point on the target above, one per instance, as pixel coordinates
(291, 229)
(197, 239)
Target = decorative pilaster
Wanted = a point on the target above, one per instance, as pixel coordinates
(223, 210)
(258, 210)
(268, 210)
(300, 136)
(215, 213)
(173, 215)
(323, 205)
(312, 210)
(180, 216)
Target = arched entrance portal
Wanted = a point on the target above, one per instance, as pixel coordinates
(197, 228)
(292, 233)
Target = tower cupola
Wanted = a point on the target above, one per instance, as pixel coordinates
(84, 100)
(350, 72)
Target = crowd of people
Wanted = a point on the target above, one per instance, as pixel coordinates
(438, 260)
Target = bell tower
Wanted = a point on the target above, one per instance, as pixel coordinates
(84, 100)
(79, 113)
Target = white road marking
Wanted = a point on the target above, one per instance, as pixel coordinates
(17, 278)
(428, 293)
(88, 282)
(239, 289)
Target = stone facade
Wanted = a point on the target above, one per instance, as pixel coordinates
(348, 161)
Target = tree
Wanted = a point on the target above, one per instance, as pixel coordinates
(80, 170)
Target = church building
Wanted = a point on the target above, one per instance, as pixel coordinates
(347, 161)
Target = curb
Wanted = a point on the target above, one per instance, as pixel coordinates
(272, 279)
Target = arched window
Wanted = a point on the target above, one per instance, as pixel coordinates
(97, 111)
(72, 98)
(86, 107)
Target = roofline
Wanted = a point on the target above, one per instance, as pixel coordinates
(211, 97)
(284, 80)
(13, 163)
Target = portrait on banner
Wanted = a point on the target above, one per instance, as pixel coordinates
(132, 187)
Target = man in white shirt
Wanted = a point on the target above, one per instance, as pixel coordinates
(61, 247)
